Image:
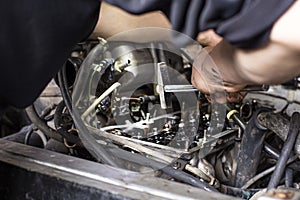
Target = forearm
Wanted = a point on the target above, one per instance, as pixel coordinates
(279, 60)
(276, 62)
(272, 64)
(113, 20)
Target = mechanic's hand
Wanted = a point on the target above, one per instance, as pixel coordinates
(210, 82)
(208, 39)
(211, 78)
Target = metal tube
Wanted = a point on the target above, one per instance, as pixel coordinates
(271, 151)
(233, 115)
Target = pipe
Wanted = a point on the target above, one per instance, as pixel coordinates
(249, 154)
(58, 135)
(233, 115)
(279, 124)
(289, 177)
(65, 90)
(264, 173)
(168, 170)
(271, 151)
(288, 172)
(41, 125)
(286, 151)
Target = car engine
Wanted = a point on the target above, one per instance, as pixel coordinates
(131, 105)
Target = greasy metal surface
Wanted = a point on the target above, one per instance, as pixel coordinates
(250, 152)
(275, 122)
(118, 182)
(279, 124)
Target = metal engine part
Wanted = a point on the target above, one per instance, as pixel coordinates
(133, 107)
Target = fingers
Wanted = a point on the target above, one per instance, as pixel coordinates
(208, 39)
(206, 75)
(209, 78)
(216, 89)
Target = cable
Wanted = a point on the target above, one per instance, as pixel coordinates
(239, 192)
(286, 151)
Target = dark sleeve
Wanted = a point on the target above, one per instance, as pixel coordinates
(244, 23)
(36, 37)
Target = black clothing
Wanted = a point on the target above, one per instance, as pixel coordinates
(36, 36)
(244, 23)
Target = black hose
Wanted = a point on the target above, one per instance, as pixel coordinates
(62, 119)
(265, 173)
(286, 151)
(156, 165)
(63, 85)
(45, 112)
(58, 115)
(41, 125)
(187, 178)
(289, 177)
(289, 170)
(97, 150)
(58, 135)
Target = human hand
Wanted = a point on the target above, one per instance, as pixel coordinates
(209, 81)
(208, 39)
(213, 73)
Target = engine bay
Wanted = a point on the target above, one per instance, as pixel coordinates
(132, 106)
